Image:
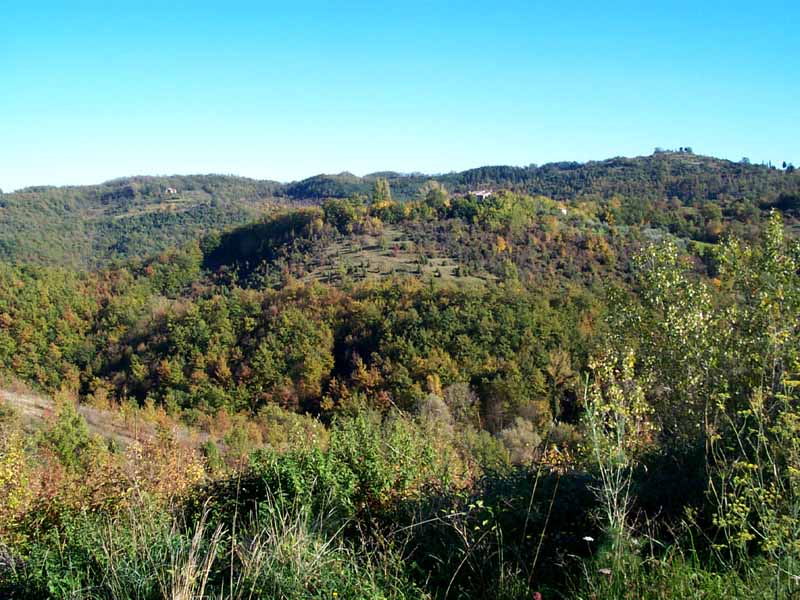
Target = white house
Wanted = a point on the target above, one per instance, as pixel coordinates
(482, 194)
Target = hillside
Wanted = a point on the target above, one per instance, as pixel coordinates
(88, 226)
(446, 394)
(660, 176)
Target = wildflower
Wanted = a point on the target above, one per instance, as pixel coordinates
(588, 538)
(537, 596)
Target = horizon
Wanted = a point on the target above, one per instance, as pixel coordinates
(765, 164)
(274, 92)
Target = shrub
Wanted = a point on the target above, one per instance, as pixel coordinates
(67, 436)
(14, 480)
(522, 441)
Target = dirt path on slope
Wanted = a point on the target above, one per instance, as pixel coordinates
(34, 408)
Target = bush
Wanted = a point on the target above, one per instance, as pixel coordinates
(67, 436)
(522, 441)
(371, 462)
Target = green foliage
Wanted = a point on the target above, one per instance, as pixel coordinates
(125, 218)
(745, 338)
(147, 554)
(676, 466)
(245, 249)
(617, 428)
(487, 451)
(381, 192)
(689, 195)
(306, 347)
(14, 472)
(45, 319)
(370, 463)
(667, 575)
(68, 437)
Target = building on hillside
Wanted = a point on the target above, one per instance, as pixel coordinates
(170, 191)
(481, 194)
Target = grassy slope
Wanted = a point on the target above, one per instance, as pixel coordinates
(390, 253)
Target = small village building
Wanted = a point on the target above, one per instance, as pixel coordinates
(481, 194)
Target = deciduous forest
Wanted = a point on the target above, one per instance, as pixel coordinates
(575, 380)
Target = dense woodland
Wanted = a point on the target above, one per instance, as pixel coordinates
(584, 385)
(89, 226)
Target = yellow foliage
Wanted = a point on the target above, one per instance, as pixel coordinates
(14, 478)
(434, 384)
(383, 204)
(502, 246)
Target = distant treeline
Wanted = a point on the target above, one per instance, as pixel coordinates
(89, 226)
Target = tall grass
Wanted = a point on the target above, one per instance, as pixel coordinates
(283, 552)
(287, 552)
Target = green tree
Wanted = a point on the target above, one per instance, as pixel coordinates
(68, 437)
(381, 192)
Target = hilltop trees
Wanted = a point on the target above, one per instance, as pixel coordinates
(91, 226)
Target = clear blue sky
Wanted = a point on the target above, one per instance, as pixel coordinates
(95, 90)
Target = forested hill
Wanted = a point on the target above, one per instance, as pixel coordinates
(660, 176)
(88, 226)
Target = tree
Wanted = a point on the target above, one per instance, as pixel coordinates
(522, 441)
(435, 195)
(381, 192)
(673, 327)
(68, 437)
(559, 376)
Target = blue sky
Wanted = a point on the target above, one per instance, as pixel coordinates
(95, 90)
